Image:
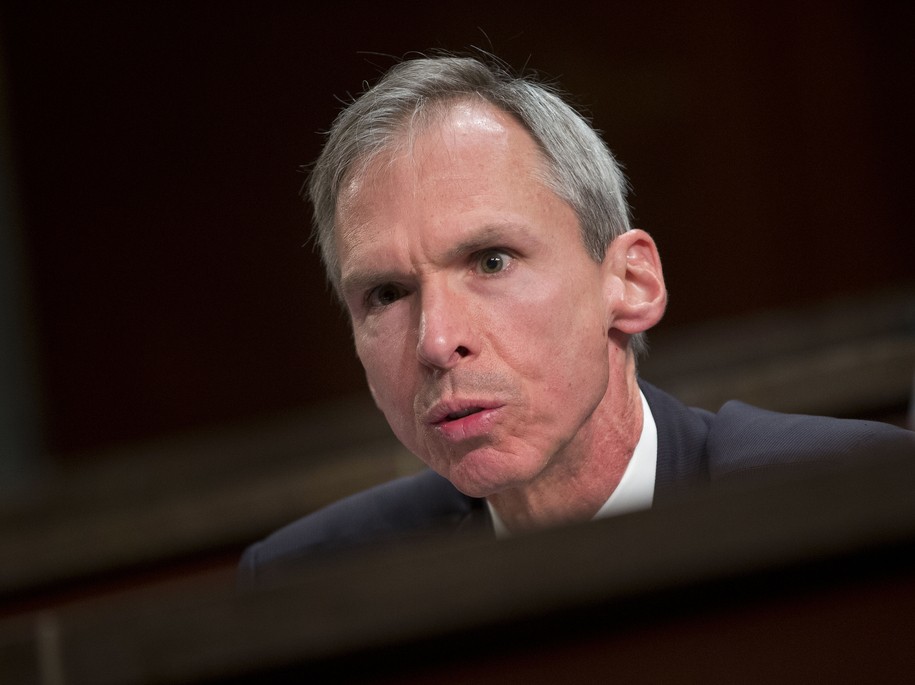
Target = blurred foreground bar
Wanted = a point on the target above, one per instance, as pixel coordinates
(811, 580)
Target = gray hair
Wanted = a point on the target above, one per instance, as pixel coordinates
(579, 166)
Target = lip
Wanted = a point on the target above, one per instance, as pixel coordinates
(459, 420)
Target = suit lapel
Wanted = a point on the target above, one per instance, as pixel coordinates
(476, 521)
(682, 434)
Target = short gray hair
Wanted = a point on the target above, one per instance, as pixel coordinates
(579, 166)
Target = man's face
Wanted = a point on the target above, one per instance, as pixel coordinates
(479, 317)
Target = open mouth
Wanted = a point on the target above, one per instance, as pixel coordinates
(455, 415)
(465, 421)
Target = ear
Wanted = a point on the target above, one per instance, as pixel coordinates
(637, 295)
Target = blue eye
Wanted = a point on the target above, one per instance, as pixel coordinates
(383, 295)
(492, 261)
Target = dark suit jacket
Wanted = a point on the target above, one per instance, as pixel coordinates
(696, 448)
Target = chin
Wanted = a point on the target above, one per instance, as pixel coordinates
(484, 475)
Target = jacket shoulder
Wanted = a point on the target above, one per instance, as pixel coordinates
(743, 439)
(403, 507)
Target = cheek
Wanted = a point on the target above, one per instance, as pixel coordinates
(554, 322)
(383, 354)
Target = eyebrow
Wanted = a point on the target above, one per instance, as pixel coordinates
(489, 235)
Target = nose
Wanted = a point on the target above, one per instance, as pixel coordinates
(444, 329)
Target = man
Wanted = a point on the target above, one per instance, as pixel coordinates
(476, 228)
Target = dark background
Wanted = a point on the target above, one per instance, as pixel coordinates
(157, 147)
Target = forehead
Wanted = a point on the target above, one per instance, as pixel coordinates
(462, 147)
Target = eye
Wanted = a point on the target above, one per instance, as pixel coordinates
(493, 261)
(384, 295)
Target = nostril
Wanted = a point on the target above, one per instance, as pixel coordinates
(462, 351)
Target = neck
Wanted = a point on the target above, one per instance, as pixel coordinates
(581, 478)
